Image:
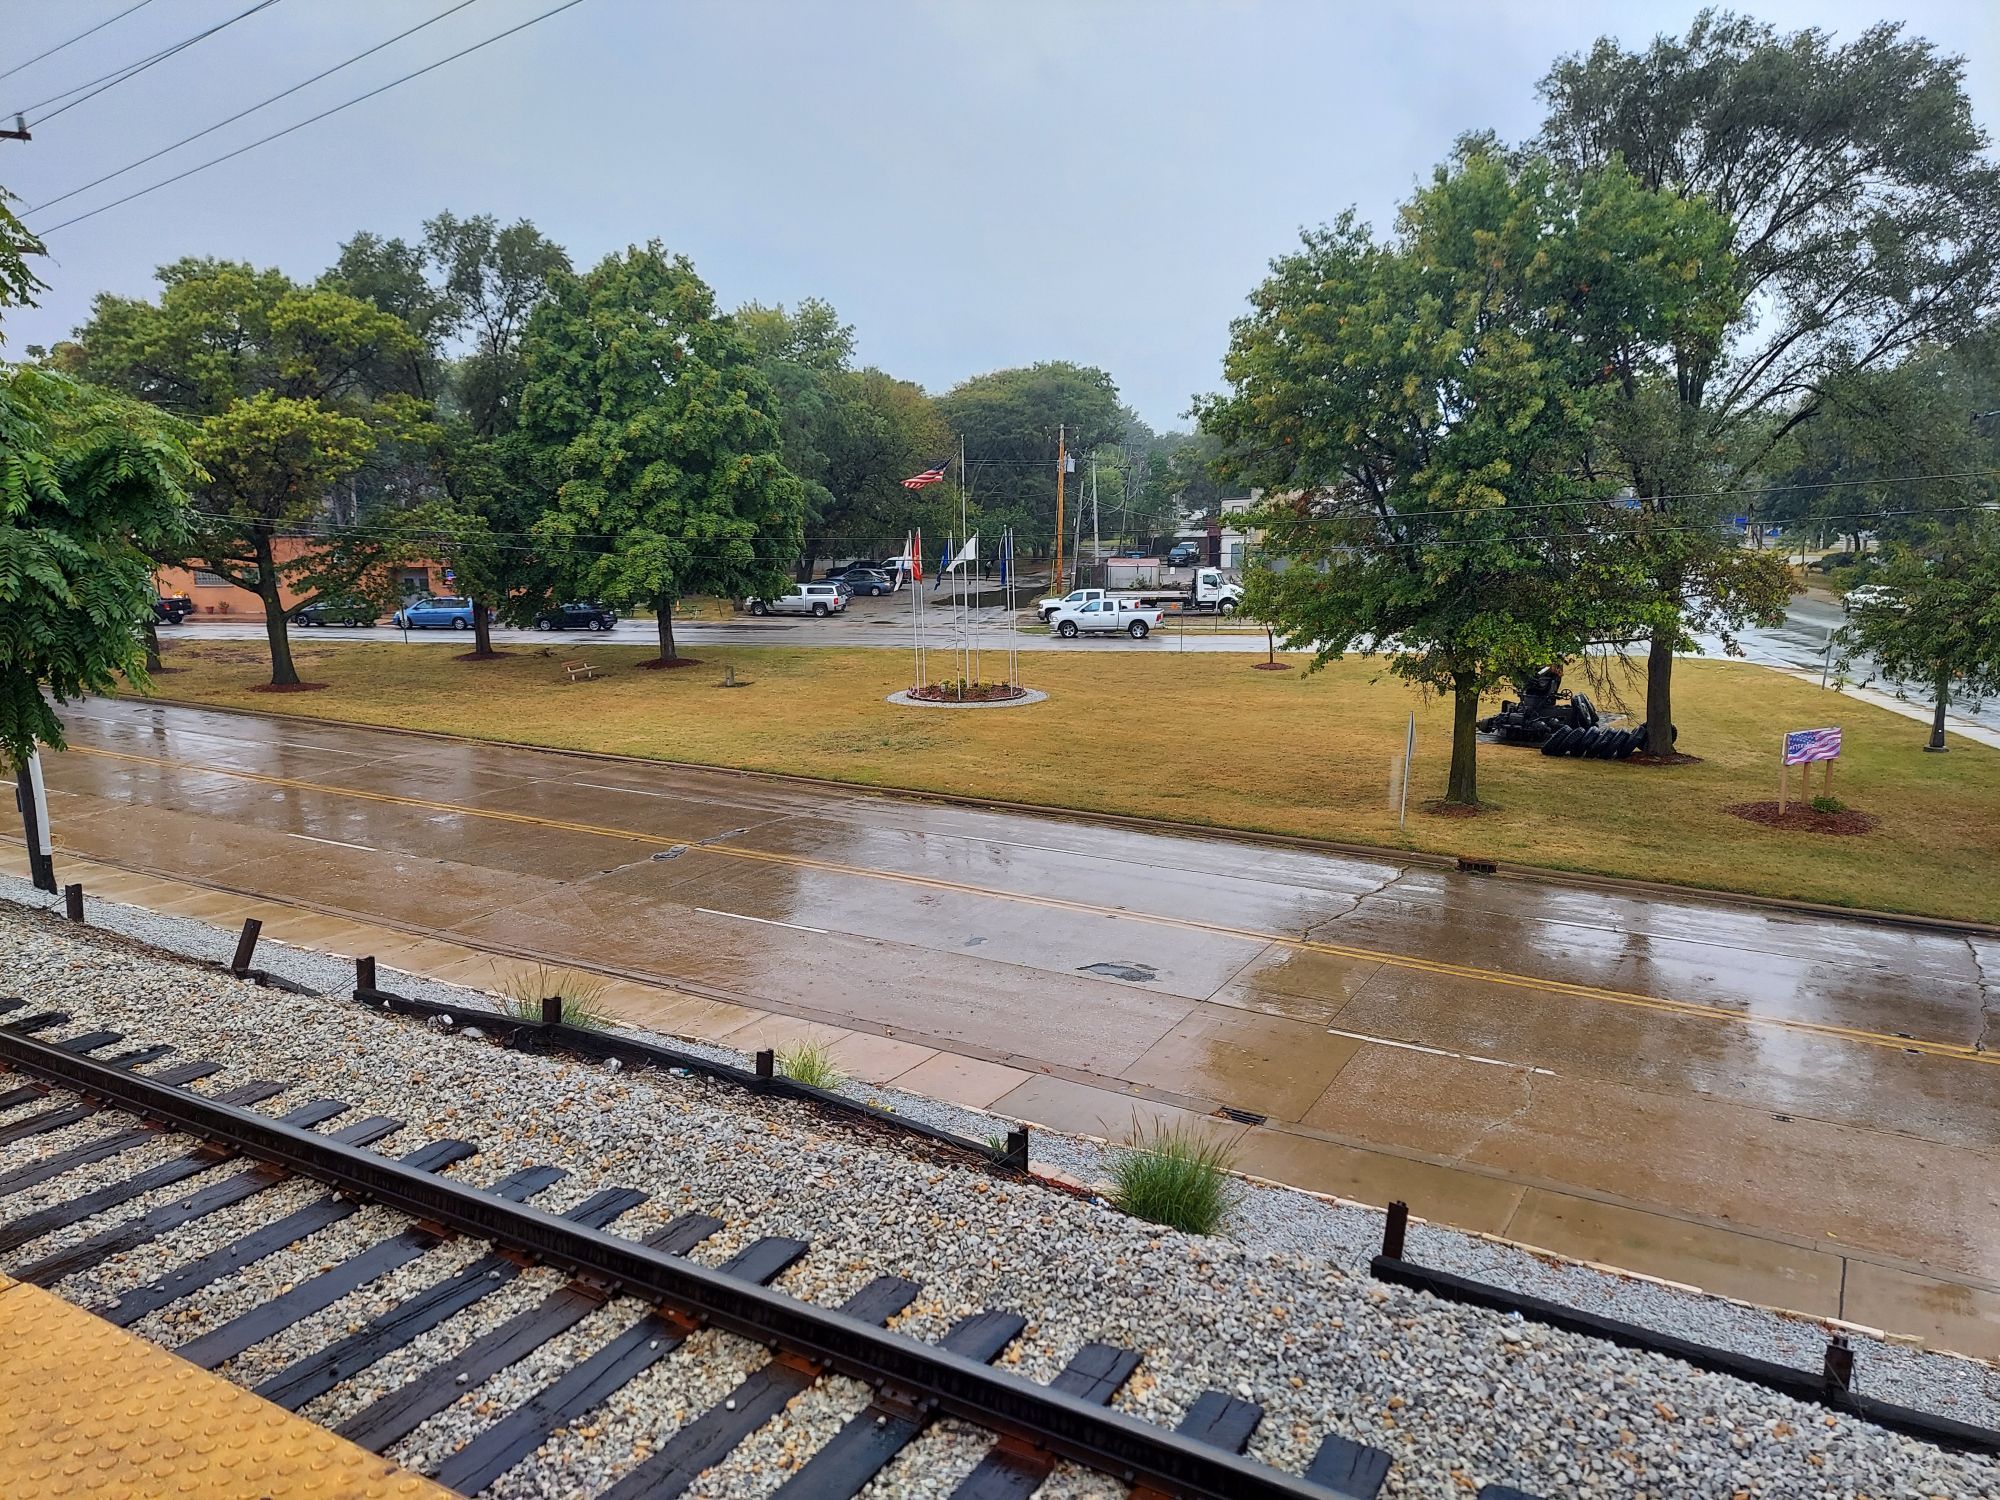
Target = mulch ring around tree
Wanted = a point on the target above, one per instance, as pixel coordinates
(971, 692)
(656, 665)
(1438, 807)
(1647, 758)
(291, 687)
(1802, 817)
(482, 656)
(1270, 666)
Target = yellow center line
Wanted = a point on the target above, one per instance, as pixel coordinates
(1692, 1009)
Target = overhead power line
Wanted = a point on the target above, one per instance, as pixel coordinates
(311, 119)
(273, 99)
(74, 40)
(112, 81)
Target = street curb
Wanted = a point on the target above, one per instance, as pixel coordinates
(1384, 853)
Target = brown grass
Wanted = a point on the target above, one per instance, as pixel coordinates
(1197, 739)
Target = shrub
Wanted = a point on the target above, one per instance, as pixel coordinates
(582, 995)
(1828, 805)
(1172, 1175)
(811, 1064)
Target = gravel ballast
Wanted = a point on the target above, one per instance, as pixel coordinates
(1283, 1311)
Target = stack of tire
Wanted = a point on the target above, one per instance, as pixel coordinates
(1595, 743)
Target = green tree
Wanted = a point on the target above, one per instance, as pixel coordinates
(89, 482)
(1008, 421)
(651, 419)
(1940, 622)
(465, 291)
(851, 436)
(1423, 414)
(278, 376)
(1864, 215)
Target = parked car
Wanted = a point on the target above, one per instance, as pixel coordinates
(585, 614)
(868, 581)
(336, 612)
(1105, 616)
(171, 609)
(1831, 561)
(1867, 595)
(819, 599)
(434, 612)
(1184, 555)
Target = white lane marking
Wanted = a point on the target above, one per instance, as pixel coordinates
(598, 786)
(1471, 1057)
(767, 921)
(337, 843)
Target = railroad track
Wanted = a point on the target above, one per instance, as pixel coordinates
(1033, 1426)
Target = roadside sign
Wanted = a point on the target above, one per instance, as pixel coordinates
(1801, 747)
(449, 575)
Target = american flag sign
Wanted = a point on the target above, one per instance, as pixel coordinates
(1802, 745)
(933, 475)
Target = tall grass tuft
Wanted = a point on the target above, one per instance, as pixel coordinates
(811, 1064)
(522, 992)
(1173, 1175)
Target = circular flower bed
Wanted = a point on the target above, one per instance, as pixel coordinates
(966, 692)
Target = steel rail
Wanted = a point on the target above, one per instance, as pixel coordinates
(1103, 1440)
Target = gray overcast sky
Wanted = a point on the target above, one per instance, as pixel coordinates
(972, 185)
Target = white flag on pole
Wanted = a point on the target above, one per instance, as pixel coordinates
(968, 553)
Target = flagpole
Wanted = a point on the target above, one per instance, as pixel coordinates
(1055, 576)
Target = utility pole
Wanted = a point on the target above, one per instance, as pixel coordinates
(18, 133)
(1096, 542)
(1062, 462)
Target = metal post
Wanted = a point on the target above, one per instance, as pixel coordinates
(1409, 750)
(1838, 1371)
(364, 973)
(73, 902)
(1826, 666)
(764, 1064)
(552, 1010)
(1016, 1155)
(1394, 1227)
(34, 804)
(246, 945)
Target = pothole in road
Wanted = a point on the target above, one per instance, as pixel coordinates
(1132, 973)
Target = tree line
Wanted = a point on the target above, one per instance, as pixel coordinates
(1737, 271)
(468, 398)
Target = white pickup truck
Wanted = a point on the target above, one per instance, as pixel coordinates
(821, 599)
(1106, 615)
(1208, 592)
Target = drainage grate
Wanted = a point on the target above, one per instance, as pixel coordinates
(1244, 1116)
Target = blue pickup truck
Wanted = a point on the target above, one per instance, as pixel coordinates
(434, 612)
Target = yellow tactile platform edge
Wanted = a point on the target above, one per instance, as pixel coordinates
(88, 1409)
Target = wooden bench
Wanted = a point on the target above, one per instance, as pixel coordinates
(578, 670)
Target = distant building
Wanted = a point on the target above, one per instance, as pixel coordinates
(216, 595)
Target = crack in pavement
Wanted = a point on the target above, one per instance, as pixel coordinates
(1989, 1004)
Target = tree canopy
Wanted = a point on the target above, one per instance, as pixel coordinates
(650, 418)
(279, 377)
(1424, 415)
(1008, 421)
(1864, 219)
(1939, 621)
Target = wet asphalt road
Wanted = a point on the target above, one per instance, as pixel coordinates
(1806, 1078)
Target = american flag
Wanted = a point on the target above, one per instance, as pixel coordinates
(933, 475)
(1802, 745)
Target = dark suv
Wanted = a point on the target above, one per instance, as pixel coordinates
(587, 615)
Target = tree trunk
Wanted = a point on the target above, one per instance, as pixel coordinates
(1660, 696)
(664, 610)
(806, 559)
(1464, 784)
(276, 626)
(152, 639)
(482, 632)
(1937, 744)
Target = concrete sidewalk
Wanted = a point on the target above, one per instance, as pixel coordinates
(1768, 1269)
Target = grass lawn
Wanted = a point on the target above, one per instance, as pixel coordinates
(1204, 739)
